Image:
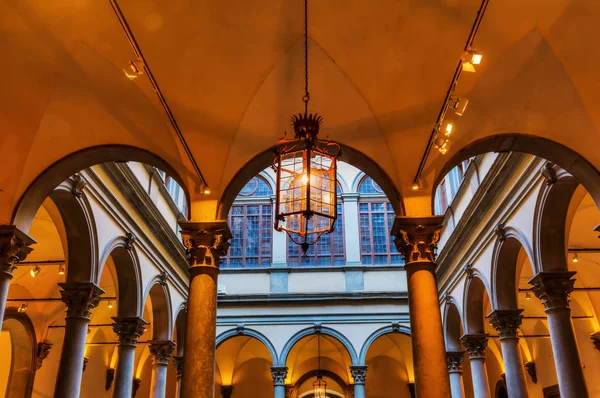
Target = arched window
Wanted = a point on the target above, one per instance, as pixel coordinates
(251, 223)
(376, 219)
(329, 249)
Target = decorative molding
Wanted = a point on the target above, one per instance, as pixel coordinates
(344, 318)
(110, 377)
(553, 288)
(416, 238)
(279, 374)
(500, 232)
(163, 278)
(530, 368)
(547, 171)
(317, 327)
(469, 271)
(475, 344)
(14, 247)
(506, 322)
(80, 298)
(43, 349)
(78, 185)
(396, 327)
(162, 187)
(130, 239)
(359, 374)
(240, 327)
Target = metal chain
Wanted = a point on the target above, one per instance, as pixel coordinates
(306, 97)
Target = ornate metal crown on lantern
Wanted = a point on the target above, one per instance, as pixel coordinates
(306, 205)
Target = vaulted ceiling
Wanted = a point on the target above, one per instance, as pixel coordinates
(232, 73)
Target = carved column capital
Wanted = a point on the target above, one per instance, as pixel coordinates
(475, 344)
(178, 364)
(416, 238)
(279, 374)
(14, 247)
(205, 243)
(506, 322)
(80, 298)
(129, 329)
(161, 351)
(454, 361)
(553, 288)
(359, 374)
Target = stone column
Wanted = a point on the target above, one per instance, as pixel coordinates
(14, 247)
(359, 373)
(205, 242)
(507, 323)
(475, 345)
(178, 364)
(416, 240)
(454, 361)
(80, 298)
(161, 351)
(279, 374)
(128, 330)
(553, 288)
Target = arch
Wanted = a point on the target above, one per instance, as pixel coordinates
(357, 180)
(348, 155)
(475, 290)
(452, 326)
(394, 328)
(59, 171)
(20, 383)
(228, 334)
(80, 228)
(180, 328)
(128, 273)
(550, 222)
(504, 267)
(160, 297)
(314, 330)
(325, 373)
(568, 159)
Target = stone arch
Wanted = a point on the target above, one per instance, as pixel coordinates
(453, 329)
(243, 331)
(504, 267)
(476, 290)
(23, 349)
(128, 274)
(160, 298)
(357, 180)
(348, 155)
(325, 373)
(80, 227)
(315, 330)
(394, 328)
(579, 167)
(180, 328)
(550, 221)
(55, 174)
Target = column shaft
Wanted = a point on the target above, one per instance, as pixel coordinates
(128, 330)
(279, 391)
(80, 299)
(161, 351)
(416, 240)
(454, 361)
(456, 385)
(513, 368)
(205, 242)
(359, 391)
(553, 288)
(481, 384)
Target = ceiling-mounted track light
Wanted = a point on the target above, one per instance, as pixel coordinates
(134, 69)
(470, 59)
(458, 105)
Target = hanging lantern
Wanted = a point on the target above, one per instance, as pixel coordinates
(306, 205)
(320, 388)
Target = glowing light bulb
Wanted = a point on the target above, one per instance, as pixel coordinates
(417, 185)
(34, 271)
(443, 150)
(476, 58)
(449, 127)
(61, 270)
(22, 308)
(110, 304)
(575, 258)
(527, 296)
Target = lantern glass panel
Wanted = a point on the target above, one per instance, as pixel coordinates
(320, 388)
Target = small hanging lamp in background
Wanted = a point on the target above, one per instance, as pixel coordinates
(35, 271)
(306, 204)
(320, 385)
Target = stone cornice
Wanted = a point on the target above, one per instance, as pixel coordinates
(109, 201)
(471, 220)
(237, 300)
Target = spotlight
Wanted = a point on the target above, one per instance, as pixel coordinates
(61, 270)
(458, 105)
(449, 127)
(134, 69)
(110, 304)
(34, 271)
(441, 143)
(527, 296)
(575, 258)
(470, 59)
(22, 308)
(417, 185)
(207, 191)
